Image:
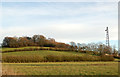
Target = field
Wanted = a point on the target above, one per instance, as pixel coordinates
(63, 68)
(8, 49)
(42, 53)
(57, 68)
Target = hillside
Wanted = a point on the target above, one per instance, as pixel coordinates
(42, 53)
(19, 55)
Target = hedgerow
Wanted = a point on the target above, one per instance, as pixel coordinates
(54, 58)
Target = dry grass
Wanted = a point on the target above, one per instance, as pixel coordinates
(64, 68)
(9, 71)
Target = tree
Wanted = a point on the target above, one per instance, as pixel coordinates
(79, 46)
(23, 42)
(73, 46)
(50, 42)
(10, 42)
(5, 42)
(72, 43)
(40, 40)
(115, 52)
(101, 49)
(35, 38)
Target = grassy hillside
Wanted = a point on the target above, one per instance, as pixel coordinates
(9, 49)
(67, 66)
(43, 53)
(51, 56)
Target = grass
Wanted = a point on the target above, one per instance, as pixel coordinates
(8, 49)
(117, 59)
(50, 56)
(42, 53)
(6, 70)
(36, 56)
(64, 68)
(56, 68)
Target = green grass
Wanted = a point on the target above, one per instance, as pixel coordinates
(117, 59)
(8, 49)
(57, 68)
(33, 56)
(65, 68)
(41, 53)
(50, 56)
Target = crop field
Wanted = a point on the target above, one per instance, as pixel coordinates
(61, 68)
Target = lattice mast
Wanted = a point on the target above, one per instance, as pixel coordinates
(107, 37)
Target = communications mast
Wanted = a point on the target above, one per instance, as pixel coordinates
(107, 37)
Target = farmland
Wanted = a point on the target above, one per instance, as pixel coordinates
(51, 56)
(63, 68)
(42, 53)
(56, 68)
(56, 38)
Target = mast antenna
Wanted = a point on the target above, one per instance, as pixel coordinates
(107, 37)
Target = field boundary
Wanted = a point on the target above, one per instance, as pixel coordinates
(60, 75)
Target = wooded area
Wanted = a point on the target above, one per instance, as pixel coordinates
(36, 40)
(42, 41)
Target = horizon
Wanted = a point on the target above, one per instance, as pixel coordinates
(81, 22)
(112, 42)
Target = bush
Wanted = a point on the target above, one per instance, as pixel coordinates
(107, 58)
(118, 57)
(51, 58)
(54, 58)
(63, 58)
(22, 59)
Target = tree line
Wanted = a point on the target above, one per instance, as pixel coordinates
(36, 40)
(42, 41)
(98, 47)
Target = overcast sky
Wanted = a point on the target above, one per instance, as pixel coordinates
(81, 22)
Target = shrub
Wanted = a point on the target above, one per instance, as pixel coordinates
(63, 58)
(22, 59)
(118, 57)
(107, 58)
(54, 58)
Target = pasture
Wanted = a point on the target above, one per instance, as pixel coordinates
(8, 49)
(42, 53)
(57, 68)
(61, 68)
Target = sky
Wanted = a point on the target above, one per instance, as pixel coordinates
(81, 22)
